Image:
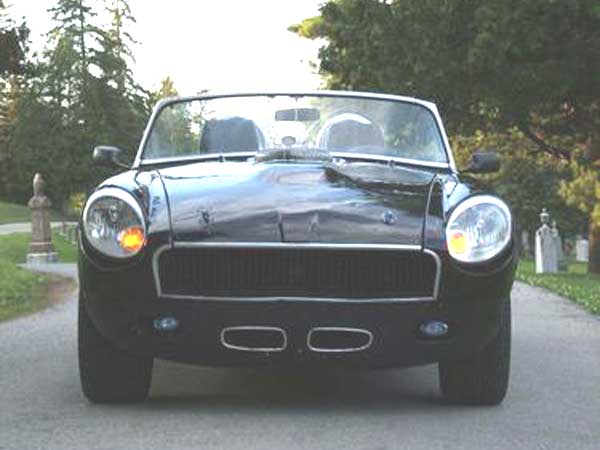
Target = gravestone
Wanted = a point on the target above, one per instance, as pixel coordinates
(562, 262)
(40, 249)
(525, 246)
(546, 254)
(582, 250)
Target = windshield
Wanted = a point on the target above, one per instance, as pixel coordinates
(263, 123)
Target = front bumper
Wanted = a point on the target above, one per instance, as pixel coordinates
(123, 304)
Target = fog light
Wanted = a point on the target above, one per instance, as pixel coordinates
(166, 324)
(434, 328)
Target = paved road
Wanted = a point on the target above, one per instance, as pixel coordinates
(553, 403)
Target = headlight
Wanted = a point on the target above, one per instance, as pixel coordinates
(478, 229)
(113, 223)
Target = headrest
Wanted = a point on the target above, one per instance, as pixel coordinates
(234, 134)
(350, 130)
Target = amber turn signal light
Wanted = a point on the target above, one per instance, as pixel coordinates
(132, 239)
(458, 242)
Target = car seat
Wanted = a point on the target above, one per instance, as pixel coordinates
(349, 130)
(234, 134)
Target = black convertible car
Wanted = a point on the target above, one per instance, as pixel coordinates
(295, 229)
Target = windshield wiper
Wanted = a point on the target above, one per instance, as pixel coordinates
(293, 153)
(392, 161)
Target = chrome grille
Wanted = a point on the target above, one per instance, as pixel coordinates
(288, 271)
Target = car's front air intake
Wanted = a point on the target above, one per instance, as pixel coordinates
(325, 273)
(338, 339)
(254, 338)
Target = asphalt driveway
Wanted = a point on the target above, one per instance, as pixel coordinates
(553, 402)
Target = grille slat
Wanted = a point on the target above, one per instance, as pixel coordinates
(296, 272)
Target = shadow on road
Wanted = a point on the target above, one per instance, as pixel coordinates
(182, 387)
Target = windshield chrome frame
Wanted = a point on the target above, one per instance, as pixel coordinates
(431, 107)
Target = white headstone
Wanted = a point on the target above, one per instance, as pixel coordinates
(582, 250)
(546, 253)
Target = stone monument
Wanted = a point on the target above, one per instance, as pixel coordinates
(562, 262)
(40, 249)
(546, 254)
(582, 249)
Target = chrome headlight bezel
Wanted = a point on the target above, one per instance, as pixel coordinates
(468, 257)
(120, 195)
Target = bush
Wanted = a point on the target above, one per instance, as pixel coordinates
(528, 180)
(76, 202)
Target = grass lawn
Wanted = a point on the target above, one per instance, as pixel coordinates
(22, 291)
(576, 284)
(11, 212)
(13, 247)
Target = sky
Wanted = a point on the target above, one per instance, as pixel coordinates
(220, 45)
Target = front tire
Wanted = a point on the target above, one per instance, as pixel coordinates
(108, 374)
(483, 378)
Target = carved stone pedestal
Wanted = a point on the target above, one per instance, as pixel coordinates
(41, 249)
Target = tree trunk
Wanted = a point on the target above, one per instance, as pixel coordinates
(594, 238)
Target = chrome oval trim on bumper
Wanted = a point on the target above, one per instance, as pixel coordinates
(254, 328)
(338, 329)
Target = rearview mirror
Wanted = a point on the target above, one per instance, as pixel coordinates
(484, 162)
(297, 115)
(108, 157)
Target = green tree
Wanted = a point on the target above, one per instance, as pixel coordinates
(489, 65)
(13, 41)
(9, 96)
(167, 89)
(68, 88)
(527, 183)
(117, 46)
(124, 101)
(14, 68)
(80, 94)
(175, 125)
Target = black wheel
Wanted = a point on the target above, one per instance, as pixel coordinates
(109, 375)
(482, 379)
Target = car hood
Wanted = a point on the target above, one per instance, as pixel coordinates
(297, 202)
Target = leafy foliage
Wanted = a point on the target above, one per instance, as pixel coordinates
(167, 89)
(528, 180)
(583, 191)
(80, 94)
(13, 40)
(486, 63)
(491, 67)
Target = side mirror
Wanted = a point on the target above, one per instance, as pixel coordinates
(484, 162)
(108, 157)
